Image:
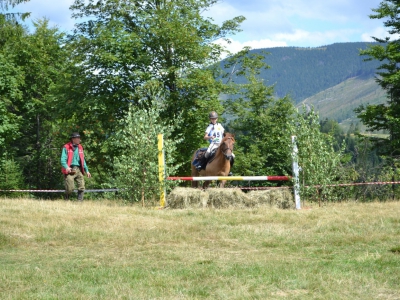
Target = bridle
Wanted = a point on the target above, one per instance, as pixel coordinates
(226, 148)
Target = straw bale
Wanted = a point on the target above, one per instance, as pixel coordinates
(187, 198)
(225, 198)
(280, 198)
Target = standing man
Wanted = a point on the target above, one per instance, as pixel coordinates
(73, 166)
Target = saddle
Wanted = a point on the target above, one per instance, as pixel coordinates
(200, 154)
(200, 160)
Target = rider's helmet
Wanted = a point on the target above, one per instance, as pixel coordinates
(213, 115)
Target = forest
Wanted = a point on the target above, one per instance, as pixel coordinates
(131, 70)
(303, 72)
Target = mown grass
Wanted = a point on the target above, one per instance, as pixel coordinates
(100, 250)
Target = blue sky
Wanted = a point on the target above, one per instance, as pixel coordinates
(269, 23)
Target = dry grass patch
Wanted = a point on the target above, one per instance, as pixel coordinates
(97, 250)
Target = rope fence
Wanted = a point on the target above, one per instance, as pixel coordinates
(63, 191)
(241, 187)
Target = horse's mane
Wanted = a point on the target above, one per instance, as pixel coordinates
(228, 136)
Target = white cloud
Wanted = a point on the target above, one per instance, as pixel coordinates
(316, 9)
(268, 23)
(310, 22)
(315, 38)
(378, 32)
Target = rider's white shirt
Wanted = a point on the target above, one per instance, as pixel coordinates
(216, 131)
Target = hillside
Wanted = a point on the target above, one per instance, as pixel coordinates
(334, 79)
(303, 72)
(338, 102)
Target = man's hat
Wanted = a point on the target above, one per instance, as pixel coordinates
(75, 135)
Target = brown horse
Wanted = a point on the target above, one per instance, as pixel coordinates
(219, 165)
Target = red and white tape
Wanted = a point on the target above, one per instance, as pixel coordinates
(60, 191)
(243, 188)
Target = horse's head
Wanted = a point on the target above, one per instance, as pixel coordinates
(226, 146)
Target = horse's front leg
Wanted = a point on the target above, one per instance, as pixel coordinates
(206, 184)
(222, 183)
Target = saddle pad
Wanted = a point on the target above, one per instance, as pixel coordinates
(200, 153)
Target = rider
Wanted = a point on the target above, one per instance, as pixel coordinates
(214, 134)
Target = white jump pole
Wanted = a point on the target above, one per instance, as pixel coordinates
(237, 178)
(295, 167)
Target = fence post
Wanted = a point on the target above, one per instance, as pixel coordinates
(295, 168)
(161, 169)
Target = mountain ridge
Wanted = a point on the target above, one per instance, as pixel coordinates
(303, 72)
(334, 79)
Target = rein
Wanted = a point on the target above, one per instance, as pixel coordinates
(226, 149)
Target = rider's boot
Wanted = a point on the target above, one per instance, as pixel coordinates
(202, 163)
(198, 164)
(232, 161)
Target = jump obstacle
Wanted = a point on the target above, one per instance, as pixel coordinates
(295, 167)
(161, 170)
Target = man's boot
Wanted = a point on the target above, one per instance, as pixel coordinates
(80, 195)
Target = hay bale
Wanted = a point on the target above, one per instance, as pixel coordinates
(187, 198)
(280, 198)
(213, 197)
(225, 198)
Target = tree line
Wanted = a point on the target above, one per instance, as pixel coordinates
(304, 72)
(133, 69)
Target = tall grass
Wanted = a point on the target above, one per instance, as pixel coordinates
(99, 250)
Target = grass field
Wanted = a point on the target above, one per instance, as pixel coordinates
(102, 250)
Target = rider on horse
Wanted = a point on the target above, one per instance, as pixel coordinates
(214, 134)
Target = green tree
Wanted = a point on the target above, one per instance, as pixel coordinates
(386, 116)
(320, 163)
(10, 177)
(11, 79)
(263, 124)
(32, 66)
(42, 58)
(135, 167)
(333, 128)
(126, 43)
(13, 17)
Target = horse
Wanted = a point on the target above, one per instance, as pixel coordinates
(219, 165)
